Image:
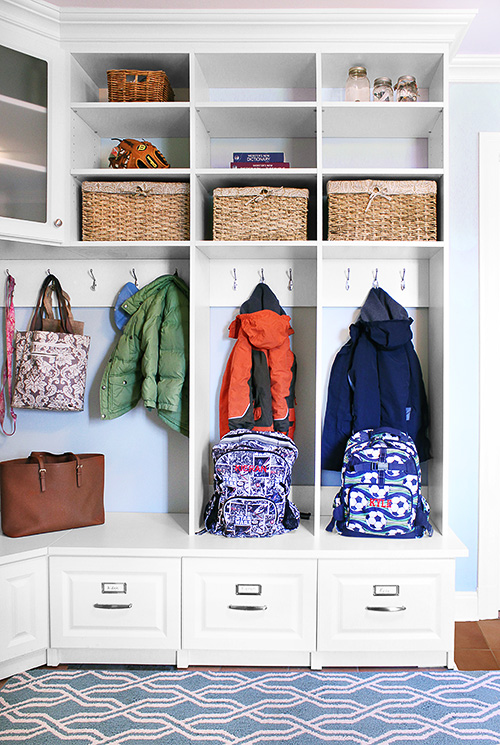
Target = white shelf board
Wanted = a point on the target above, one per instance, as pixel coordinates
(376, 119)
(381, 249)
(139, 250)
(263, 120)
(263, 250)
(211, 178)
(159, 534)
(131, 174)
(382, 173)
(140, 120)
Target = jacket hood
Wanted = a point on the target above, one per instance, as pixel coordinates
(380, 306)
(262, 298)
(384, 321)
(264, 329)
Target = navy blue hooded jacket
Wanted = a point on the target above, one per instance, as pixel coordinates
(376, 381)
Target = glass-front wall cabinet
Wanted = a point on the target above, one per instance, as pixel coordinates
(23, 136)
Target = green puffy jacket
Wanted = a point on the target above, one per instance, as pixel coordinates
(151, 358)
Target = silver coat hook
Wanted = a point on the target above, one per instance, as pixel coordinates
(402, 275)
(235, 281)
(134, 275)
(94, 281)
(375, 279)
(290, 280)
(347, 277)
(262, 275)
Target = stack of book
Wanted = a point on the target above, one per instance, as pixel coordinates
(259, 160)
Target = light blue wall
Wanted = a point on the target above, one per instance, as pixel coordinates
(474, 108)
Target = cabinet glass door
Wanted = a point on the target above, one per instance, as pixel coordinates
(23, 136)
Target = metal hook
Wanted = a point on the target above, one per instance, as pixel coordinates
(94, 281)
(347, 277)
(290, 280)
(375, 279)
(134, 275)
(403, 283)
(262, 275)
(235, 281)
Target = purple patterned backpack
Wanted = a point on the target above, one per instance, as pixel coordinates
(252, 477)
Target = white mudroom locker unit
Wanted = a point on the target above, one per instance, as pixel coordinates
(146, 587)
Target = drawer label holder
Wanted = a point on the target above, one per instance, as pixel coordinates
(113, 588)
(249, 589)
(386, 590)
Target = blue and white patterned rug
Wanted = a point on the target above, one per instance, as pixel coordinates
(132, 706)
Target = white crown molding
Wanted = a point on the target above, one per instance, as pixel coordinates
(213, 26)
(475, 68)
(37, 16)
(337, 26)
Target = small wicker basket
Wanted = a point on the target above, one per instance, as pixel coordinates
(135, 211)
(382, 210)
(139, 85)
(257, 213)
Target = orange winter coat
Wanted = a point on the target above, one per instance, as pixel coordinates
(258, 386)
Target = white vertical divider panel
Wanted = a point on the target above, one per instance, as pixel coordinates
(437, 392)
(442, 334)
(319, 294)
(199, 398)
(76, 278)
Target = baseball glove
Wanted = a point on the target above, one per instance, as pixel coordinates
(136, 154)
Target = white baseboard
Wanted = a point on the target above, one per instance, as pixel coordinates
(466, 606)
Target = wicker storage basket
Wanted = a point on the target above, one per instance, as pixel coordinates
(135, 211)
(256, 213)
(382, 210)
(139, 85)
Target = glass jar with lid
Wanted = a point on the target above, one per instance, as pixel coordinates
(406, 88)
(357, 87)
(382, 89)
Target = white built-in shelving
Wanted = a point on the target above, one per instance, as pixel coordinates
(236, 89)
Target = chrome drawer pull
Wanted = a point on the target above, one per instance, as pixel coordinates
(386, 608)
(247, 607)
(113, 606)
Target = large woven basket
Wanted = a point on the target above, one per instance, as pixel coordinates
(382, 210)
(256, 213)
(139, 85)
(135, 211)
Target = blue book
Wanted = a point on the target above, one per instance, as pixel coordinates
(258, 157)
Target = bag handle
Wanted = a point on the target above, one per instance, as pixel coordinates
(36, 321)
(42, 470)
(47, 304)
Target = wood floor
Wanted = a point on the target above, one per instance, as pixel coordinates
(477, 646)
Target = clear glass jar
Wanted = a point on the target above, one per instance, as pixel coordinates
(406, 88)
(382, 89)
(357, 87)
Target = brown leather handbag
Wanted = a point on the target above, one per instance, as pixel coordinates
(47, 492)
